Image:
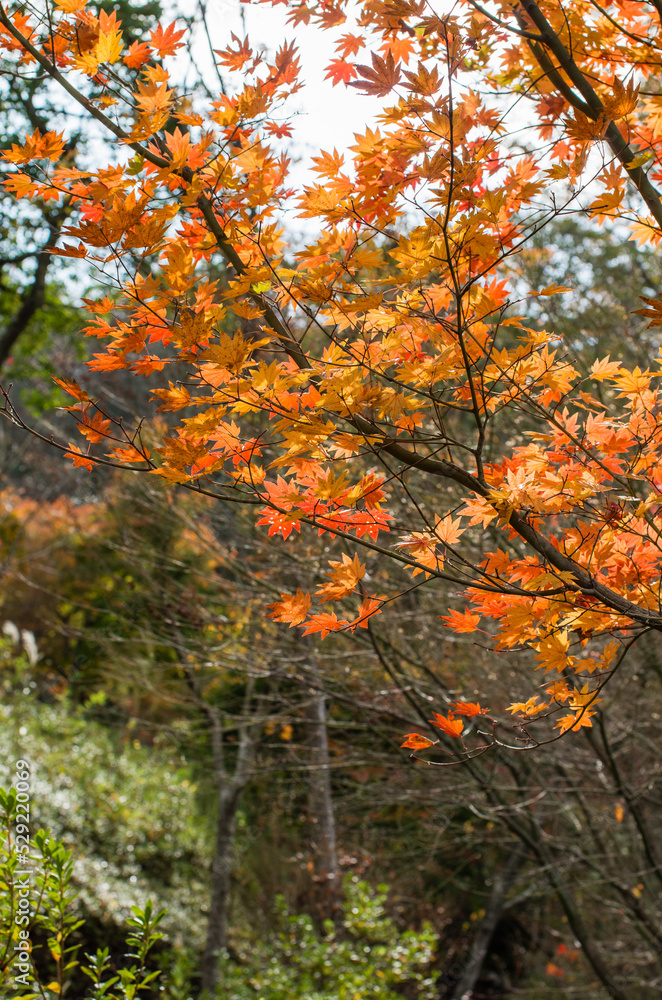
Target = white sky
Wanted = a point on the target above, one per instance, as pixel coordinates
(327, 116)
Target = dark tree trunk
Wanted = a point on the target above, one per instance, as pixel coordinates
(230, 789)
(320, 799)
(221, 872)
(34, 297)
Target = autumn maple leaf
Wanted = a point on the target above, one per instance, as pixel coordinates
(469, 709)
(448, 530)
(153, 96)
(380, 79)
(414, 741)
(137, 54)
(95, 428)
(36, 146)
(349, 45)
(279, 523)
(292, 609)
(339, 71)
(370, 606)
(235, 58)
(71, 387)
(325, 623)
(166, 40)
(624, 100)
(128, 454)
(280, 130)
(581, 128)
(69, 250)
(79, 459)
(530, 707)
(448, 724)
(654, 313)
(345, 575)
(574, 722)
(466, 621)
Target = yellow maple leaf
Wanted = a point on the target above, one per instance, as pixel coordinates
(154, 96)
(344, 576)
(71, 6)
(109, 46)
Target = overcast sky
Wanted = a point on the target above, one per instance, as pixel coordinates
(328, 116)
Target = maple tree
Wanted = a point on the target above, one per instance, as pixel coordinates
(381, 384)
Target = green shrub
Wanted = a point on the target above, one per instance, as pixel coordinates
(367, 958)
(38, 924)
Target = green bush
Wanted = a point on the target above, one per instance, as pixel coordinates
(38, 942)
(367, 958)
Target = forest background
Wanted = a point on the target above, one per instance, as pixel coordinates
(248, 780)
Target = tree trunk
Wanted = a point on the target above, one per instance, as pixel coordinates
(230, 790)
(221, 871)
(320, 800)
(35, 295)
(465, 987)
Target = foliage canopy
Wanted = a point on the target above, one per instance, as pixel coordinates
(382, 385)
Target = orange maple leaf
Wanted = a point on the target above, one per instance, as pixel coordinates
(94, 428)
(345, 575)
(71, 6)
(235, 58)
(530, 707)
(448, 724)
(448, 529)
(279, 524)
(654, 313)
(325, 623)
(292, 609)
(129, 454)
(466, 621)
(608, 369)
(71, 387)
(414, 741)
(49, 146)
(137, 54)
(69, 250)
(280, 130)
(154, 96)
(166, 40)
(19, 184)
(109, 362)
(79, 459)
(469, 709)
(370, 606)
(349, 45)
(339, 71)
